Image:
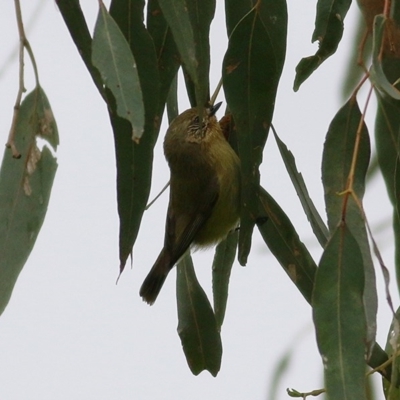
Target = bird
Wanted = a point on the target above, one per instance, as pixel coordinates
(204, 201)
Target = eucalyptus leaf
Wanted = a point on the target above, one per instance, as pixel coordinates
(328, 31)
(197, 328)
(344, 132)
(377, 74)
(282, 239)
(25, 188)
(319, 228)
(251, 71)
(339, 317)
(190, 22)
(112, 56)
(224, 258)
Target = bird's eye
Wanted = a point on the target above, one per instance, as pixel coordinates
(196, 120)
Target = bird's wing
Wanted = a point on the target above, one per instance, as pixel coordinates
(204, 206)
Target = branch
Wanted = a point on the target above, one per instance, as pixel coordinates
(23, 44)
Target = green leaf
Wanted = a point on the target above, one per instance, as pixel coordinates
(395, 12)
(235, 10)
(113, 58)
(251, 71)
(328, 31)
(377, 358)
(354, 71)
(273, 13)
(134, 167)
(172, 100)
(380, 56)
(387, 127)
(336, 165)
(134, 161)
(222, 265)
(25, 187)
(166, 51)
(76, 24)
(197, 327)
(284, 243)
(339, 317)
(386, 63)
(190, 87)
(337, 159)
(190, 24)
(390, 386)
(319, 228)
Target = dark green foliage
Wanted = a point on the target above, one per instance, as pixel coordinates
(25, 187)
(133, 58)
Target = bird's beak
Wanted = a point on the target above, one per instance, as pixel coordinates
(213, 109)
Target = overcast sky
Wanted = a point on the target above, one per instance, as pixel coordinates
(69, 332)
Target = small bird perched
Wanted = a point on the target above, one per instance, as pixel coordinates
(204, 191)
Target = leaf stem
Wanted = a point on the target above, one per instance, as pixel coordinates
(386, 10)
(358, 139)
(23, 44)
(155, 198)
(350, 179)
(384, 365)
(216, 92)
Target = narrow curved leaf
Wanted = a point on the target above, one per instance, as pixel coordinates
(172, 100)
(385, 70)
(76, 24)
(377, 358)
(318, 226)
(380, 54)
(197, 327)
(337, 158)
(354, 71)
(190, 24)
(387, 138)
(224, 258)
(391, 386)
(395, 12)
(25, 187)
(339, 316)
(235, 10)
(134, 161)
(284, 243)
(251, 71)
(328, 31)
(112, 56)
(168, 60)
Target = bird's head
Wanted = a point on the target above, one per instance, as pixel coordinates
(192, 127)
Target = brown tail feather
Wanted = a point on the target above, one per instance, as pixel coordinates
(155, 279)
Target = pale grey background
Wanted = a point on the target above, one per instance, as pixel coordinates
(69, 332)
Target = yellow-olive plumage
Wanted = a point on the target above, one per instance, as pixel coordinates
(204, 191)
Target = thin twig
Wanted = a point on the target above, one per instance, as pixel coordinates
(33, 18)
(361, 83)
(384, 269)
(350, 179)
(23, 44)
(216, 92)
(358, 138)
(384, 365)
(387, 7)
(159, 194)
(304, 395)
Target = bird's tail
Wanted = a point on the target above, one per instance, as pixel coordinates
(155, 279)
